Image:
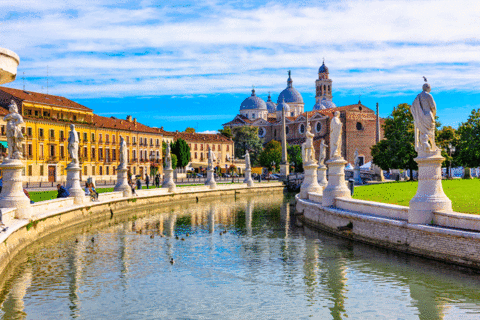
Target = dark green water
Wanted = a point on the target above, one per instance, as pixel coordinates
(263, 267)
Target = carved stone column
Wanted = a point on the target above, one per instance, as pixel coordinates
(430, 196)
(73, 183)
(12, 195)
(322, 176)
(168, 180)
(248, 178)
(310, 183)
(336, 182)
(122, 182)
(211, 179)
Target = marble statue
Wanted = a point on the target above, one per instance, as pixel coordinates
(308, 151)
(14, 132)
(424, 110)
(356, 160)
(323, 153)
(168, 157)
(211, 159)
(247, 160)
(336, 136)
(73, 145)
(123, 153)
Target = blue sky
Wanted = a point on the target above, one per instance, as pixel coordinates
(184, 63)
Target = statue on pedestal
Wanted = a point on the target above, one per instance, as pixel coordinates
(308, 151)
(14, 132)
(336, 136)
(424, 110)
(211, 159)
(123, 154)
(247, 161)
(73, 146)
(168, 158)
(323, 153)
(356, 159)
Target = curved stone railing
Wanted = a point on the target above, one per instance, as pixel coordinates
(451, 237)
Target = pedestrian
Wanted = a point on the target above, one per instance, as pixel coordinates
(62, 191)
(1, 183)
(147, 180)
(139, 183)
(157, 180)
(133, 188)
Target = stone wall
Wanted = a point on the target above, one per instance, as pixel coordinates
(386, 226)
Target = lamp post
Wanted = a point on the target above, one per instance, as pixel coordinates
(451, 149)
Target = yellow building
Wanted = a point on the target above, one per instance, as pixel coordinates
(47, 120)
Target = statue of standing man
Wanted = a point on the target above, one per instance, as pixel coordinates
(123, 154)
(73, 146)
(336, 137)
(14, 132)
(323, 153)
(424, 110)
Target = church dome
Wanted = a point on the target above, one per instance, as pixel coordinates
(271, 106)
(253, 102)
(324, 104)
(323, 68)
(290, 94)
(283, 105)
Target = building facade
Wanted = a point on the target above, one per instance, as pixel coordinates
(359, 121)
(46, 127)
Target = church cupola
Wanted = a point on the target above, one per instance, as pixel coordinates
(323, 85)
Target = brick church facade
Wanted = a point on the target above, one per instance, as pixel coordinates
(361, 125)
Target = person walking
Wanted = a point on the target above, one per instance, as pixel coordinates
(147, 180)
(139, 184)
(157, 180)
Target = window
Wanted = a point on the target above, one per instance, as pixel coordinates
(286, 130)
(107, 138)
(107, 170)
(74, 118)
(359, 126)
(213, 147)
(93, 170)
(292, 114)
(262, 132)
(3, 130)
(158, 142)
(46, 114)
(93, 154)
(318, 127)
(52, 151)
(62, 152)
(128, 139)
(52, 134)
(30, 150)
(29, 132)
(99, 137)
(93, 137)
(228, 147)
(195, 155)
(40, 133)
(85, 137)
(134, 155)
(151, 142)
(196, 147)
(113, 139)
(114, 154)
(100, 154)
(85, 170)
(253, 115)
(41, 151)
(301, 128)
(100, 171)
(41, 170)
(85, 152)
(275, 132)
(30, 170)
(62, 135)
(361, 160)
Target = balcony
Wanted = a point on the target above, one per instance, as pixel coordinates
(107, 142)
(51, 139)
(41, 137)
(30, 157)
(29, 137)
(100, 141)
(134, 144)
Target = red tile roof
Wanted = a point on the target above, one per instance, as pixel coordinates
(47, 99)
(120, 124)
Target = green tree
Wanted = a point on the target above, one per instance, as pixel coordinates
(397, 150)
(447, 138)
(468, 151)
(227, 132)
(271, 153)
(294, 154)
(181, 149)
(174, 161)
(190, 130)
(246, 137)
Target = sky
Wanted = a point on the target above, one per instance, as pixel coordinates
(181, 64)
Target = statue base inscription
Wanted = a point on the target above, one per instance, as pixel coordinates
(430, 196)
(122, 183)
(310, 183)
(211, 180)
(336, 182)
(322, 176)
(284, 170)
(12, 195)
(248, 178)
(168, 181)
(73, 184)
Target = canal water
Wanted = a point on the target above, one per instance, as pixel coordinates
(235, 258)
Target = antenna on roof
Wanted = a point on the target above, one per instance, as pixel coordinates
(23, 78)
(47, 78)
(359, 102)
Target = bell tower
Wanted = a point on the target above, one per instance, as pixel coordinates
(323, 84)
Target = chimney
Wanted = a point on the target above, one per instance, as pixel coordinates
(135, 120)
(129, 118)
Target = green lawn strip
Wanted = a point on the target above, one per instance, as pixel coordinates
(463, 193)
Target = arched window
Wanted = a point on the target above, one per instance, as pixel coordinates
(287, 130)
(301, 129)
(261, 132)
(318, 127)
(359, 126)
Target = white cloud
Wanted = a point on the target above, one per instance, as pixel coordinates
(95, 49)
(210, 131)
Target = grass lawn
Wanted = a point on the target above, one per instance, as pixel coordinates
(463, 193)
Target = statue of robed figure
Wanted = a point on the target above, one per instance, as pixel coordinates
(14, 132)
(123, 154)
(336, 136)
(73, 146)
(424, 110)
(323, 153)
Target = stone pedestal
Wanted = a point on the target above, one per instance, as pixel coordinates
(284, 170)
(248, 178)
(168, 181)
(211, 179)
(310, 183)
(122, 182)
(73, 183)
(336, 182)
(378, 172)
(12, 195)
(357, 177)
(322, 176)
(430, 196)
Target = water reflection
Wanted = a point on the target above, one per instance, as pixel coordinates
(240, 258)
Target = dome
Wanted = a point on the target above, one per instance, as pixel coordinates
(323, 68)
(282, 105)
(324, 104)
(271, 106)
(290, 94)
(253, 102)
